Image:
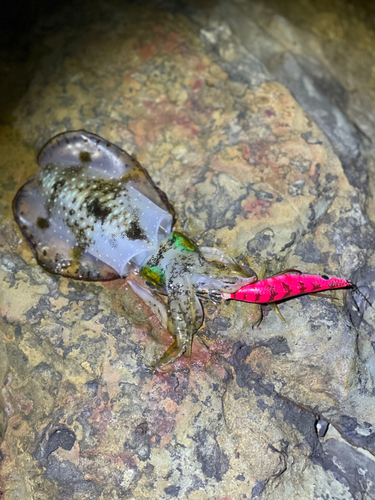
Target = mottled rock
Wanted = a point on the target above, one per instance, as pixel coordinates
(284, 410)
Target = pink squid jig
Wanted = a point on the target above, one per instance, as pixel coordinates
(288, 284)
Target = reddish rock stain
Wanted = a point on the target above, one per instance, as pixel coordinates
(122, 458)
(256, 207)
(269, 112)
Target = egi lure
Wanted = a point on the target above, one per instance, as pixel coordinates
(286, 285)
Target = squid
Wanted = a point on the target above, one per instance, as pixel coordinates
(93, 213)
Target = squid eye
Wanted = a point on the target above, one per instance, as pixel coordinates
(325, 277)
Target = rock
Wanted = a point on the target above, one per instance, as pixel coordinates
(284, 410)
(304, 80)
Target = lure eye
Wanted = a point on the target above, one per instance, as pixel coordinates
(325, 277)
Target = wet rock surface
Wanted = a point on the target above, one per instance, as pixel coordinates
(264, 154)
